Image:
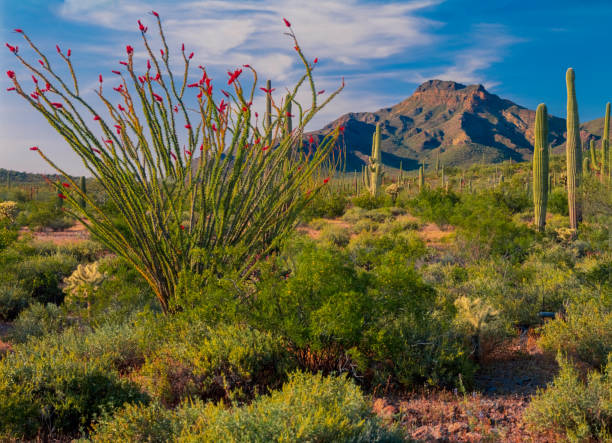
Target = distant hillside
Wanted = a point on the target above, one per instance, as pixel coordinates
(463, 124)
(22, 178)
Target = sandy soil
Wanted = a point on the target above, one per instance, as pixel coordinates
(74, 234)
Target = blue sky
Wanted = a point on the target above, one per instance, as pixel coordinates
(384, 49)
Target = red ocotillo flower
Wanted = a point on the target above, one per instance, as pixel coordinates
(96, 117)
(214, 127)
(66, 185)
(108, 141)
(225, 93)
(121, 108)
(222, 106)
(311, 140)
(158, 97)
(34, 95)
(157, 77)
(289, 114)
(57, 105)
(41, 63)
(257, 141)
(155, 14)
(173, 156)
(13, 49)
(34, 148)
(123, 63)
(267, 91)
(47, 86)
(188, 126)
(129, 49)
(100, 78)
(69, 52)
(116, 72)
(12, 88)
(142, 27)
(96, 150)
(188, 152)
(162, 52)
(191, 56)
(341, 128)
(148, 64)
(192, 85)
(19, 30)
(34, 79)
(265, 148)
(176, 109)
(11, 74)
(62, 196)
(58, 49)
(297, 48)
(246, 66)
(316, 60)
(326, 180)
(322, 91)
(233, 75)
(183, 47)
(182, 228)
(286, 22)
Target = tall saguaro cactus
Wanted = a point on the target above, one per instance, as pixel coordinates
(605, 145)
(83, 186)
(421, 179)
(593, 154)
(572, 151)
(375, 166)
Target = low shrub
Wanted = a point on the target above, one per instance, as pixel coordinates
(582, 410)
(335, 235)
(585, 332)
(39, 320)
(366, 201)
(224, 363)
(307, 408)
(557, 202)
(325, 204)
(41, 276)
(13, 300)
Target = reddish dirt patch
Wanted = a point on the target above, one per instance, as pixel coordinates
(509, 375)
(316, 233)
(4, 346)
(434, 235)
(74, 234)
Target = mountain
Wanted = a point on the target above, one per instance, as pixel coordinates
(463, 124)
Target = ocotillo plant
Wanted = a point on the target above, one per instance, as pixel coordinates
(375, 166)
(178, 213)
(540, 167)
(268, 116)
(83, 186)
(573, 151)
(288, 120)
(605, 145)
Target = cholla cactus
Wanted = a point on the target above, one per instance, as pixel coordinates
(245, 191)
(476, 315)
(8, 212)
(83, 283)
(393, 190)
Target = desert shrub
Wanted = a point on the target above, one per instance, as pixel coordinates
(435, 205)
(46, 389)
(335, 235)
(13, 300)
(325, 204)
(585, 332)
(514, 198)
(354, 214)
(366, 201)
(308, 408)
(582, 410)
(227, 362)
(46, 215)
(365, 225)
(41, 276)
(367, 250)
(557, 202)
(7, 236)
(39, 320)
(378, 323)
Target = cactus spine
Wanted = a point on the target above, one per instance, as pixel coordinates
(540, 167)
(573, 151)
(375, 163)
(605, 145)
(83, 186)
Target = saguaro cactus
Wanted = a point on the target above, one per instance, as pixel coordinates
(605, 145)
(593, 154)
(421, 179)
(540, 167)
(375, 163)
(572, 151)
(437, 163)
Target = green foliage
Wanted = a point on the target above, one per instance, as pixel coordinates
(13, 299)
(45, 388)
(335, 235)
(557, 202)
(228, 362)
(325, 204)
(366, 201)
(585, 332)
(308, 408)
(435, 205)
(39, 320)
(581, 410)
(7, 237)
(46, 215)
(41, 276)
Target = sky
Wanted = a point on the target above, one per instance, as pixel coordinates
(517, 49)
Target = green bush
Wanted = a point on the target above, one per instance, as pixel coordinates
(381, 320)
(435, 205)
(222, 363)
(557, 202)
(13, 300)
(325, 204)
(366, 201)
(583, 411)
(308, 408)
(585, 332)
(46, 390)
(39, 320)
(47, 215)
(7, 236)
(335, 235)
(42, 276)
